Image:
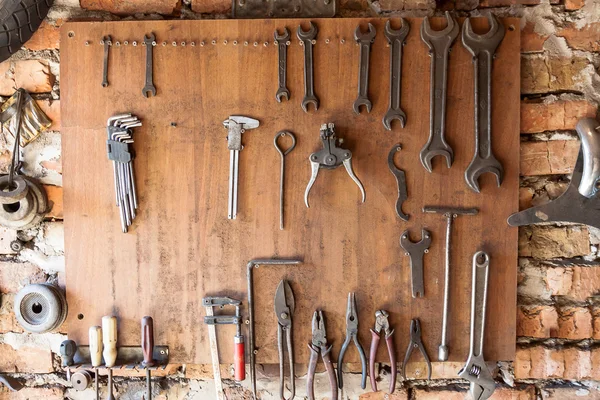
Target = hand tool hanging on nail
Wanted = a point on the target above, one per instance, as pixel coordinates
(308, 40)
(95, 341)
(81, 380)
(282, 180)
(382, 324)
(483, 48)
(416, 251)
(415, 343)
(282, 41)
(235, 125)
(149, 89)
(400, 181)
(450, 214)
(439, 43)
(330, 157)
(107, 43)
(147, 350)
(352, 335)
(396, 39)
(284, 309)
(482, 385)
(364, 40)
(109, 342)
(319, 345)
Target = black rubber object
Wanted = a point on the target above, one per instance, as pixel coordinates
(19, 19)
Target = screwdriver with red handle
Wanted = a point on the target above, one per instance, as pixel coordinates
(147, 350)
(239, 359)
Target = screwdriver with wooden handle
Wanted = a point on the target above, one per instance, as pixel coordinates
(109, 340)
(147, 350)
(95, 340)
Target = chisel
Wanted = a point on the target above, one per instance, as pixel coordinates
(147, 349)
(95, 340)
(109, 340)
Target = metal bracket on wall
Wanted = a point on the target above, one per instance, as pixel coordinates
(283, 8)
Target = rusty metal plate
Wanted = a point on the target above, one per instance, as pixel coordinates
(284, 8)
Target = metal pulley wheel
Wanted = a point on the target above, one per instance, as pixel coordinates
(40, 308)
(23, 205)
(81, 380)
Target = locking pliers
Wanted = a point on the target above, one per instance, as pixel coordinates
(382, 324)
(331, 157)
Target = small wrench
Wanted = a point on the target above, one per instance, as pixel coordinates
(149, 89)
(283, 41)
(107, 42)
(400, 180)
(482, 48)
(439, 43)
(283, 153)
(308, 39)
(396, 38)
(416, 251)
(364, 40)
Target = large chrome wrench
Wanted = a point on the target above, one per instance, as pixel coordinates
(308, 39)
(396, 38)
(283, 41)
(482, 48)
(482, 384)
(364, 40)
(439, 43)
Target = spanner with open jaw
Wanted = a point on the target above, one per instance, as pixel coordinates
(308, 39)
(283, 41)
(149, 89)
(364, 40)
(439, 43)
(416, 251)
(482, 384)
(396, 38)
(482, 48)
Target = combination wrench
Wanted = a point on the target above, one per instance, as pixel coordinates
(396, 39)
(308, 39)
(364, 40)
(107, 42)
(149, 42)
(283, 41)
(400, 181)
(483, 48)
(439, 43)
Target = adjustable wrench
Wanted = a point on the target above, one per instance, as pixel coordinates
(283, 41)
(482, 384)
(482, 48)
(416, 251)
(364, 40)
(107, 42)
(308, 39)
(439, 43)
(396, 38)
(400, 180)
(149, 89)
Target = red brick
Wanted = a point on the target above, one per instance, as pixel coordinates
(439, 370)
(124, 7)
(349, 6)
(551, 74)
(432, 394)
(586, 38)
(570, 393)
(25, 359)
(52, 110)
(211, 6)
(15, 275)
(576, 283)
(538, 322)
(578, 363)
(507, 3)
(547, 242)
(31, 393)
(399, 394)
(557, 115)
(55, 195)
(53, 165)
(8, 322)
(571, 5)
(531, 41)
(32, 75)
(171, 369)
(596, 322)
(548, 157)
(539, 363)
(395, 5)
(46, 37)
(575, 323)
(501, 393)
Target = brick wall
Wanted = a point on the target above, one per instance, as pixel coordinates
(558, 327)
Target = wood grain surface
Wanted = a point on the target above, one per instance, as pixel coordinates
(182, 247)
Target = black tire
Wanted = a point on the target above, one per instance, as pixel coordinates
(19, 19)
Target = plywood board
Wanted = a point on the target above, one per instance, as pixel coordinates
(182, 247)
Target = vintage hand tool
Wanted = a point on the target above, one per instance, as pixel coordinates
(483, 49)
(235, 125)
(382, 323)
(308, 39)
(482, 384)
(249, 267)
(416, 252)
(396, 39)
(147, 349)
(283, 41)
(109, 342)
(68, 348)
(284, 309)
(352, 334)
(319, 345)
(282, 180)
(415, 343)
(21, 114)
(149, 89)
(400, 181)
(330, 157)
(364, 40)
(81, 380)
(107, 42)
(580, 202)
(95, 340)
(450, 214)
(11, 383)
(439, 43)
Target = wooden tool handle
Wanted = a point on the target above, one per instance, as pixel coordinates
(147, 341)
(95, 339)
(109, 340)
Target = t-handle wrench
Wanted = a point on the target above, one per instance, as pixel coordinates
(308, 39)
(396, 38)
(364, 40)
(147, 349)
(283, 41)
(149, 89)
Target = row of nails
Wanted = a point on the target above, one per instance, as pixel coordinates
(213, 42)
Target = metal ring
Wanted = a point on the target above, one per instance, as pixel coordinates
(12, 196)
(281, 134)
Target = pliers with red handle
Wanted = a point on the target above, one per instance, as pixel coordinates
(319, 344)
(382, 323)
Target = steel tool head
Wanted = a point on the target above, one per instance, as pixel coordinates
(415, 331)
(319, 335)
(427, 154)
(369, 36)
(401, 180)
(396, 34)
(480, 166)
(362, 101)
(421, 245)
(246, 122)
(310, 100)
(351, 314)
(382, 323)
(449, 33)
(282, 38)
(487, 42)
(284, 303)
(477, 373)
(307, 35)
(283, 93)
(392, 115)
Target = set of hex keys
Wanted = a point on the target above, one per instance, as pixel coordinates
(119, 129)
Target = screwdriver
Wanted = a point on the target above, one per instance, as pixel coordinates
(95, 339)
(109, 340)
(147, 349)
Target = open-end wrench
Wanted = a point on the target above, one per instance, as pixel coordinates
(364, 40)
(149, 89)
(107, 42)
(416, 251)
(283, 41)
(482, 48)
(308, 39)
(439, 43)
(396, 38)
(400, 180)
